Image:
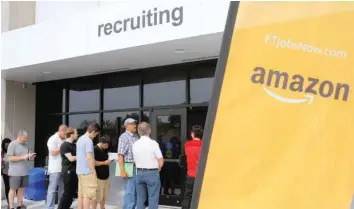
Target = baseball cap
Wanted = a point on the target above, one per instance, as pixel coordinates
(129, 121)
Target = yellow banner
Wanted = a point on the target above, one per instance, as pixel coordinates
(283, 135)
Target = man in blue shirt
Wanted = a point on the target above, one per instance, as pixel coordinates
(85, 167)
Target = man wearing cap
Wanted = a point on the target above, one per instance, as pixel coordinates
(125, 155)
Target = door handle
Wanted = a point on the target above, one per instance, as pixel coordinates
(178, 161)
(171, 160)
(180, 164)
(182, 161)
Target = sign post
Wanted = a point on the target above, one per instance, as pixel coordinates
(280, 126)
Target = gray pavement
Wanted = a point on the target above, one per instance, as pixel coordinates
(41, 205)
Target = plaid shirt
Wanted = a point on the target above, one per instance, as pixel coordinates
(125, 146)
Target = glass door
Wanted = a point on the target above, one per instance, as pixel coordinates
(169, 130)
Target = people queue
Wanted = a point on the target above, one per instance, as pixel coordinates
(79, 169)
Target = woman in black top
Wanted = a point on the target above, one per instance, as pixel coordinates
(5, 166)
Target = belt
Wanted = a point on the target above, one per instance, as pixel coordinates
(146, 169)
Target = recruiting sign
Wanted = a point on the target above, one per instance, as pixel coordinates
(280, 128)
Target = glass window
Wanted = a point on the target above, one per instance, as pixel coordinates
(46, 126)
(168, 132)
(196, 116)
(168, 136)
(201, 84)
(145, 116)
(165, 87)
(53, 93)
(84, 97)
(113, 126)
(81, 121)
(121, 92)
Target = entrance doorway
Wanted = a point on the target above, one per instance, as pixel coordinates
(170, 131)
(170, 128)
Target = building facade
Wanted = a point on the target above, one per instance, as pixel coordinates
(77, 62)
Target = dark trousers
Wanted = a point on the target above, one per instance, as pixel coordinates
(5, 177)
(188, 192)
(70, 189)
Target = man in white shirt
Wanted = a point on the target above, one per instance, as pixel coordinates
(149, 161)
(54, 166)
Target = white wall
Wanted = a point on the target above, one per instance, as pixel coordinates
(18, 103)
(17, 14)
(5, 16)
(50, 10)
(20, 108)
(77, 34)
(3, 105)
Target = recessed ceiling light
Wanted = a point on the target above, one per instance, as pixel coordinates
(179, 51)
(46, 72)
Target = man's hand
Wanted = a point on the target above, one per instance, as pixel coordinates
(26, 156)
(123, 174)
(107, 162)
(32, 156)
(55, 151)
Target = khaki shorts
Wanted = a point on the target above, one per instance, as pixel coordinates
(102, 190)
(87, 186)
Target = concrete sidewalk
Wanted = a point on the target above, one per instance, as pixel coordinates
(41, 205)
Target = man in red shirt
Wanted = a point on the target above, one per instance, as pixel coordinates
(192, 149)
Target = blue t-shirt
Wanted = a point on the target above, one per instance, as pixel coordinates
(84, 145)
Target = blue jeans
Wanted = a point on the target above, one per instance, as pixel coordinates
(148, 181)
(130, 193)
(55, 180)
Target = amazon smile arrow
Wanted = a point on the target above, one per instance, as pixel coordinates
(308, 98)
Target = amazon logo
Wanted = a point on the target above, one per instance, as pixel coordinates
(310, 86)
